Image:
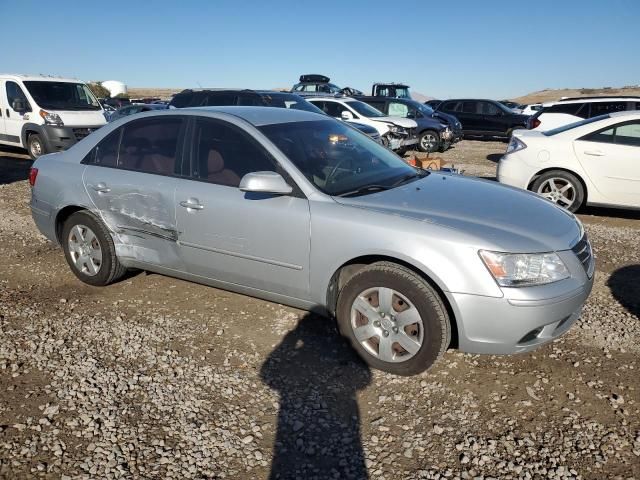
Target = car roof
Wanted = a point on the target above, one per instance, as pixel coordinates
(259, 116)
(619, 98)
(39, 78)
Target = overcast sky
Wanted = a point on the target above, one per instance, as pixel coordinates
(494, 49)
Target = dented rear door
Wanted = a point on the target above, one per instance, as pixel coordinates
(132, 182)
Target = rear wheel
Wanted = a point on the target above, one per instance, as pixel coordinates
(35, 146)
(394, 319)
(89, 250)
(429, 141)
(562, 188)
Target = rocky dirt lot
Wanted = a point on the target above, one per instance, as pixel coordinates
(158, 378)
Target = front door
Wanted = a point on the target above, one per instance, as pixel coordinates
(611, 158)
(493, 119)
(14, 120)
(131, 178)
(259, 241)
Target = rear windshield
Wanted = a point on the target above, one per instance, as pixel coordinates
(564, 128)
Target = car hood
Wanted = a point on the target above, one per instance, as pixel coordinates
(496, 216)
(399, 121)
(446, 118)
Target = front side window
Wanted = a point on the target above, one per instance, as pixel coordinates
(489, 108)
(223, 154)
(451, 106)
(337, 159)
(15, 93)
(62, 95)
(151, 145)
(469, 107)
(334, 109)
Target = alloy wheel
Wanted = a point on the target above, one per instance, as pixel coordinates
(428, 142)
(85, 250)
(387, 324)
(559, 191)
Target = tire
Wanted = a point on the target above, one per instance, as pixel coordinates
(429, 141)
(551, 184)
(35, 146)
(428, 334)
(84, 233)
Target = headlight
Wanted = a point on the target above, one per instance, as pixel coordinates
(393, 129)
(515, 144)
(51, 118)
(524, 269)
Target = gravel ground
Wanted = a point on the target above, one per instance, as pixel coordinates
(158, 378)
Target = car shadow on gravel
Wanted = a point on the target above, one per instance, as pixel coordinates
(13, 169)
(495, 157)
(317, 375)
(624, 284)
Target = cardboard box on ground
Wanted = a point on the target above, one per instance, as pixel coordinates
(425, 161)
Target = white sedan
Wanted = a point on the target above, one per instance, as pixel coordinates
(594, 162)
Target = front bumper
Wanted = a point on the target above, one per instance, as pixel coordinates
(61, 138)
(521, 320)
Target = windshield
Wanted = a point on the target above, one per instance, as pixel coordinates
(564, 128)
(62, 95)
(426, 109)
(337, 159)
(365, 110)
(288, 100)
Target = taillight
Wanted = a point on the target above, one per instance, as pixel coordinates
(33, 174)
(535, 123)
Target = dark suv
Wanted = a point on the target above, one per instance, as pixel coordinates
(436, 130)
(484, 118)
(212, 97)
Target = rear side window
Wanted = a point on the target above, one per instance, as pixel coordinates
(151, 145)
(223, 154)
(621, 134)
(600, 108)
(106, 153)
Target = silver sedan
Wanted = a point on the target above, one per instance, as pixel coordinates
(300, 209)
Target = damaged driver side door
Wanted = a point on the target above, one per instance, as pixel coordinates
(131, 178)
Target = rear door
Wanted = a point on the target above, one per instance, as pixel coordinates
(254, 240)
(131, 178)
(611, 158)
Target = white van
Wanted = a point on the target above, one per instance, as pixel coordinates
(46, 114)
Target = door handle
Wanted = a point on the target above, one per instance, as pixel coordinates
(192, 204)
(594, 153)
(101, 188)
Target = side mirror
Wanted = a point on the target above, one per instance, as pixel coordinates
(19, 105)
(265, 182)
(346, 115)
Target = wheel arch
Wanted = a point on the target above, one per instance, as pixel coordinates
(349, 268)
(551, 169)
(28, 129)
(62, 216)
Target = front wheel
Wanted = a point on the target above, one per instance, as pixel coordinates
(89, 250)
(429, 141)
(562, 188)
(394, 319)
(35, 146)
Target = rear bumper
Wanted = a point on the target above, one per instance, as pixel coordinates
(504, 326)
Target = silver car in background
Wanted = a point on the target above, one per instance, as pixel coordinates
(297, 208)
